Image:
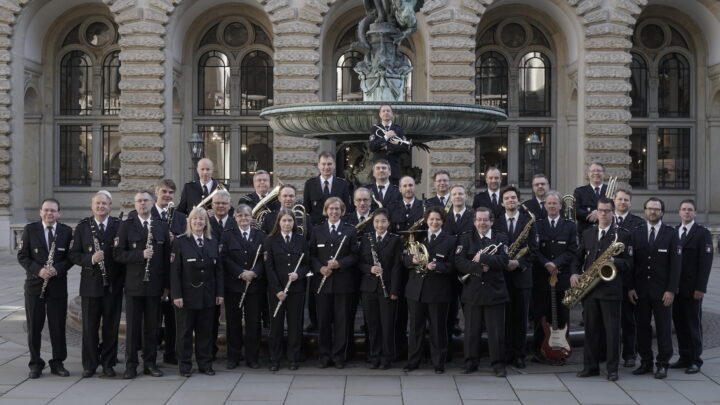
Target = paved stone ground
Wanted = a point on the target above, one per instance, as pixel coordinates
(356, 385)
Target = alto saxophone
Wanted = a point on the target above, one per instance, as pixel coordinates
(599, 270)
(148, 245)
(515, 252)
(49, 263)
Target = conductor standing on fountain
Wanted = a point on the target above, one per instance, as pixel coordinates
(387, 141)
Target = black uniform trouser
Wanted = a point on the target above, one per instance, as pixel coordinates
(197, 322)
(628, 329)
(454, 308)
(312, 305)
(381, 315)
(401, 329)
(167, 328)
(419, 313)
(334, 325)
(542, 308)
(101, 321)
(141, 314)
(516, 325)
(292, 310)
(251, 334)
(647, 309)
(602, 315)
(687, 316)
(36, 309)
(234, 325)
(493, 316)
(215, 329)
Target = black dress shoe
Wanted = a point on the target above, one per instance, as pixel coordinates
(520, 363)
(253, 365)
(87, 373)
(500, 372)
(680, 364)
(293, 366)
(311, 328)
(185, 374)
(375, 365)
(661, 373)
(59, 370)
(339, 365)
(34, 374)
(153, 371)
(130, 374)
(439, 370)
(324, 364)
(469, 369)
(693, 369)
(612, 376)
(232, 365)
(629, 363)
(385, 366)
(409, 367)
(274, 367)
(107, 373)
(207, 371)
(643, 369)
(584, 373)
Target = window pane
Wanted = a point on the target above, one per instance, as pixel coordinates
(75, 93)
(111, 84)
(638, 92)
(111, 156)
(491, 80)
(674, 90)
(491, 150)
(213, 80)
(348, 81)
(255, 152)
(638, 156)
(408, 84)
(534, 158)
(256, 89)
(75, 155)
(674, 158)
(217, 148)
(534, 85)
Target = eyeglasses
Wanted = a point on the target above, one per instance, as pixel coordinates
(603, 211)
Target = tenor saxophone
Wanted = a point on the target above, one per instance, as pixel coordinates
(515, 252)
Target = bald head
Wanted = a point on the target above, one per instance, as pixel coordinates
(205, 169)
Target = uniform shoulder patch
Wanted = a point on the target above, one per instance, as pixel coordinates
(708, 248)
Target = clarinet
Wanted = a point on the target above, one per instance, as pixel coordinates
(322, 282)
(148, 245)
(171, 214)
(96, 245)
(247, 283)
(376, 262)
(49, 263)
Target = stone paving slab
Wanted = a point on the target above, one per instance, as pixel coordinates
(373, 386)
(372, 400)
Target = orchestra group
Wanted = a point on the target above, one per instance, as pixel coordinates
(412, 267)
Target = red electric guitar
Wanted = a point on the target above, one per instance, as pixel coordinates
(555, 345)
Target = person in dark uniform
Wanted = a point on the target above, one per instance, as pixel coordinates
(196, 284)
(284, 249)
(333, 253)
(484, 292)
(656, 274)
(459, 219)
(556, 247)
(441, 181)
(631, 222)
(195, 191)
(261, 186)
(384, 142)
(381, 266)
(697, 257)
(429, 290)
(318, 189)
(287, 199)
(40, 241)
(384, 191)
(602, 304)
(490, 198)
(587, 196)
(101, 286)
(540, 187)
(362, 199)
(147, 267)
(244, 275)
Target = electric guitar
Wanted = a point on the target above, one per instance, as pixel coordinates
(555, 345)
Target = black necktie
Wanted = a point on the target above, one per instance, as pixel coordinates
(457, 217)
(164, 215)
(200, 242)
(552, 224)
(205, 190)
(245, 236)
(432, 238)
(379, 239)
(102, 227)
(542, 205)
(651, 239)
(51, 237)
(597, 191)
(684, 234)
(494, 200)
(602, 234)
(407, 207)
(333, 231)
(362, 218)
(442, 200)
(287, 239)
(145, 225)
(326, 188)
(511, 227)
(381, 190)
(620, 220)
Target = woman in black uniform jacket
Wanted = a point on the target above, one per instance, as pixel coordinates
(380, 288)
(196, 284)
(429, 291)
(283, 249)
(240, 251)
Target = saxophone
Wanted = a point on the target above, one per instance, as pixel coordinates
(600, 269)
(514, 251)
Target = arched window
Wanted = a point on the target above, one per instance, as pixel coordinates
(638, 81)
(88, 105)
(674, 90)
(491, 80)
(213, 78)
(256, 89)
(534, 83)
(348, 81)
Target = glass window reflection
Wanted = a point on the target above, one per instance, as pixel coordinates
(533, 81)
(214, 91)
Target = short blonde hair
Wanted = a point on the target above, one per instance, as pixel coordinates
(198, 211)
(334, 200)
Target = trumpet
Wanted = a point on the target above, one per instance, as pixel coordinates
(487, 250)
(395, 140)
(208, 199)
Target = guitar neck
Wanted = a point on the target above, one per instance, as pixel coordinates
(553, 306)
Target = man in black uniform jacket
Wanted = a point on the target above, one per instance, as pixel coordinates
(490, 198)
(382, 143)
(382, 189)
(602, 304)
(333, 255)
(587, 196)
(261, 184)
(484, 291)
(625, 219)
(518, 276)
(318, 189)
(101, 295)
(287, 199)
(555, 250)
(653, 286)
(536, 205)
(697, 257)
(244, 272)
(441, 180)
(142, 298)
(363, 200)
(196, 190)
(33, 254)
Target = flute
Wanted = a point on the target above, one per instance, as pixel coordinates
(148, 245)
(287, 286)
(322, 282)
(247, 283)
(49, 263)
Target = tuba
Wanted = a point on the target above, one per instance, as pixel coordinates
(261, 209)
(568, 207)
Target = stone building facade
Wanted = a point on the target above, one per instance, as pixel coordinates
(106, 94)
